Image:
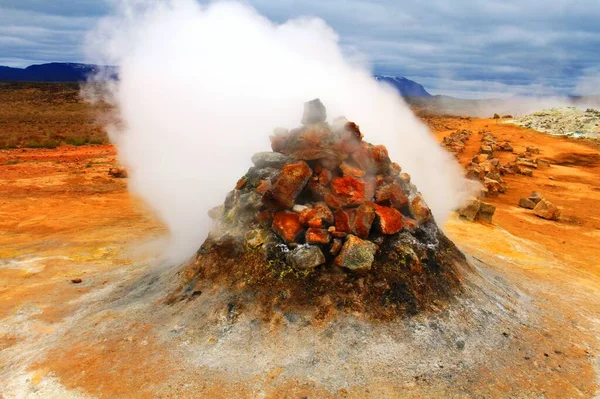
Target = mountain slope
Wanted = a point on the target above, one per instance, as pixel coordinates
(406, 87)
(52, 72)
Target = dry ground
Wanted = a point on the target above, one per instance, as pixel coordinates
(62, 217)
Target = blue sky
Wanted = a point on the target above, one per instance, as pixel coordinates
(475, 48)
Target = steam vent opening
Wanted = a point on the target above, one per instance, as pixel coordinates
(326, 223)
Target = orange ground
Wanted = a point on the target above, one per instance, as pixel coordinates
(62, 217)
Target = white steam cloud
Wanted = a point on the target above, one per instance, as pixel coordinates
(202, 87)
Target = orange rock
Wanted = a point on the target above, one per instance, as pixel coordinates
(348, 169)
(325, 177)
(317, 216)
(420, 210)
(316, 189)
(354, 130)
(389, 220)
(240, 183)
(277, 143)
(349, 190)
(317, 236)
(288, 186)
(333, 201)
(372, 159)
(370, 187)
(287, 225)
(344, 220)
(391, 194)
(365, 215)
(263, 186)
(336, 246)
(395, 169)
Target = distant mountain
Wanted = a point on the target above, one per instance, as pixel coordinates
(405, 87)
(52, 72)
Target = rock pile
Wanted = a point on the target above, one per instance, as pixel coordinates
(455, 142)
(541, 206)
(486, 168)
(326, 220)
(569, 121)
(324, 191)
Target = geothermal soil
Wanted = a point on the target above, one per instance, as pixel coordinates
(63, 218)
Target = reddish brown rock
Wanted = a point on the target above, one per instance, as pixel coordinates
(288, 186)
(348, 169)
(317, 236)
(287, 225)
(419, 209)
(395, 169)
(240, 183)
(391, 194)
(348, 190)
(316, 189)
(373, 159)
(344, 220)
(336, 246)
(263, 186)
(324, 177)
(277, 143)
(318, 216)
(389, 220)
(365, 215)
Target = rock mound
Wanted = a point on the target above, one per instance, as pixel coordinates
(326, 222)
(569, 121)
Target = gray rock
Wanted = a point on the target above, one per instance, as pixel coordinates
(306, 257)
(470, 210)
(314, 112)
(356, 254)
(270, 160)
(526, 203)
(486, 211)
(536, 197)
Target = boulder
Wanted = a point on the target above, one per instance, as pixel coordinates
(356, 254)
(314, 112)
(306, 257)
(270, 160)
(526, 203)
(288, 186)
(546, 210)
(118, 172)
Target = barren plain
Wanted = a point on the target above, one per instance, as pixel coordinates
(63, 218)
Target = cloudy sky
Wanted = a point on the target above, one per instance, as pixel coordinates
(465, 48)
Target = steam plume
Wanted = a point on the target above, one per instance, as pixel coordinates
(202, 87)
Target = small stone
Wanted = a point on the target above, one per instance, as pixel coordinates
(526, 203)
(546, 210)
(118, 172)
(356, 254)
(306, 257)
(314, 112)
(317, 236)
(76, 280)
(486, 211)
(405, 178)
(395, 169)
(535, 197)
(336, 246)
(299, 208)
(270, 160)
(389, 220)
(288, 186)
(287, 225)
